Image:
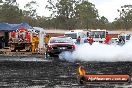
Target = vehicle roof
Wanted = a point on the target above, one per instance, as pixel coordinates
(114, 38)
(38, 28)
(98, 30)
(61, 37)
(73, 31)
(125, 35)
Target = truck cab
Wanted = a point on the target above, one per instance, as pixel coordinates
(74, 34)
(98, 35)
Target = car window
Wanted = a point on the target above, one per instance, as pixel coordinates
(82, 35)
(128, 37)
(72, 35)
(79, 34)
(61, 40)
(97, 34)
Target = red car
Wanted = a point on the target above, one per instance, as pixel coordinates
(60, 44)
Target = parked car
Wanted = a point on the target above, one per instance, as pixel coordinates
(56, 45)
(114, 41)
(74, 34)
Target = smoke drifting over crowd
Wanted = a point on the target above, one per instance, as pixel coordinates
(100, 52)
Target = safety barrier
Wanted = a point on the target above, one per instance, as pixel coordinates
(16, 53)
(7, 52)
(21, 53)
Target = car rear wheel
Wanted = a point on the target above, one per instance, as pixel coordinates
(82, 80)
(49, 54)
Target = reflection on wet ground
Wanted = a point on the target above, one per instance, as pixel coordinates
(56, 74)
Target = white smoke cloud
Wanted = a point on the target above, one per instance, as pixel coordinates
(100, 52)
(66, 56)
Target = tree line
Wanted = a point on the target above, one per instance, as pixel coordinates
(66, 14)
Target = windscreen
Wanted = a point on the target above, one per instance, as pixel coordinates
(127, 37)
(61, 40)
(98, 34)
(73, 35)
(123, 37)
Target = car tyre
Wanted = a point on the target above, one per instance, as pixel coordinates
(48, 55)
(82, 80)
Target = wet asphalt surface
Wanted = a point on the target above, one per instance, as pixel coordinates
(54, 73)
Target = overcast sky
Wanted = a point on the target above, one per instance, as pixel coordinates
(107, 8)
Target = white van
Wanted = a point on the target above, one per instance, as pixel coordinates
(74, 34)
(98, 35)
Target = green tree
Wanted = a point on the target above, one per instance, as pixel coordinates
(10, 12)
(103, 22)
(30, 14)
(72, 14)
(30, 9)
(63, 11)
(125, 19)
(1, 1)
(86, 13)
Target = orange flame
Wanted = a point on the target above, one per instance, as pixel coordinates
(82, 71)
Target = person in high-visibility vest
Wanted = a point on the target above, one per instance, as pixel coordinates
(35, 42)
(47, 40)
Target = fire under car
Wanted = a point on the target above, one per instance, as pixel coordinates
(57, 45)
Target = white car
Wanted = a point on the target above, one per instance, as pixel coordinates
(114, 41)
(74, 34)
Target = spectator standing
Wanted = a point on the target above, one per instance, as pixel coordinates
(47, 39)
(90, 40)
(107, 39)
(78, 40)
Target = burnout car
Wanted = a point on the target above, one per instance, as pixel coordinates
(56, 45)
